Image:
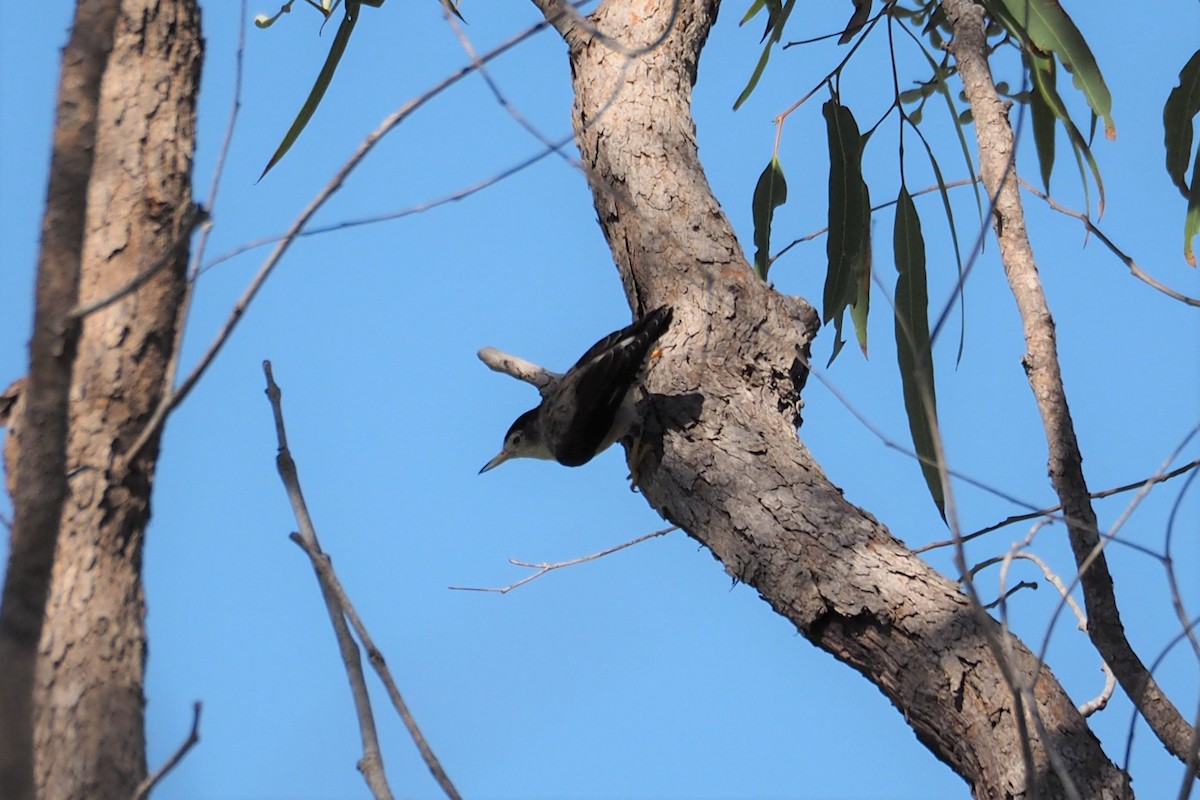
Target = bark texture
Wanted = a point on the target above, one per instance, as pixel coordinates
(721, 457)
(89, 703)
(37, 477)
(997, 147)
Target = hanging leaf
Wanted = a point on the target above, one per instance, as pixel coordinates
(769, 194)
(862, 12)
(913, 346)
(1079, 145)
(848, 244)
(776, 20)
(860, 289)
(1045, 25)
(1043, 116)
(939, 79)
(1191, 223)
(949, 211)
(340, 39)
(1182, 104)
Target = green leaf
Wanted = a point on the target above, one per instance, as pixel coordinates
(860, 300)
(949, 211)
(939, 76)
(754, 8)
(452, 7)
(769, 194)
(1191, 223)
(1079, 144)
(848, 245)
(1045, 25)
(1043, 117)
(913, 346)
(862, 12)
(776, 20)
(1182, 104)
(318, 91)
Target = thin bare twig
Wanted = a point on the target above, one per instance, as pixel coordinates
(544, 567)
(1134, 269)
(172, 400)
(517, 367)
(501, 100)
(1043, 512)
(194, 218)
(371, 763)
(1100, 701)
(342, 610)
(164, 407)
(150, 781)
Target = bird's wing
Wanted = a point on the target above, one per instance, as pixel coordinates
(593, 389)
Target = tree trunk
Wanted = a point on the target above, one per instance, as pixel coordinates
(89, 703)
(720, 455)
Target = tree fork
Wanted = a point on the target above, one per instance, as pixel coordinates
(727, 465)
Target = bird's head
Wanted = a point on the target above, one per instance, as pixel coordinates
(523, 440)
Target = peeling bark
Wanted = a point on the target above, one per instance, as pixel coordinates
(720, 454)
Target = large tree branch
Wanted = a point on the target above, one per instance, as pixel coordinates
(40, 479)
(996, 153)
(720, 455)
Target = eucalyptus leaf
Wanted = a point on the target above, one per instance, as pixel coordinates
(769, 193)
(913, 345)
(1182, 105)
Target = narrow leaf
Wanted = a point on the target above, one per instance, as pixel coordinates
(775, 26)
(944, 90)
(946, 207)
(1043, 116)
(769, 194)
(754, 8)
(860, 288)
(848, 243)
(452, 7)
(1191, 223)
(1182, 104)
(862, 12)
(913, 346)
(1079, 145)
(318, 91)
(1048, 27)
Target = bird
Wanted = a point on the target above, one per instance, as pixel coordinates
(592, 405)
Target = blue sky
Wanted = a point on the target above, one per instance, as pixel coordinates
(645, 674)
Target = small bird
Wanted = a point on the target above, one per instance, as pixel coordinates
(592, 405)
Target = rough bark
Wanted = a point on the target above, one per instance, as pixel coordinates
(37, 472)
(721, 458)
(997, 147)
(89, 728)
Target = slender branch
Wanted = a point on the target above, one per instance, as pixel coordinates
(172, 400)
(150, 781)
(371, 764)
(1043, 512)
(996, 146)
(194, 218)
(465, 42)
(545, 567)
(1134, 269)
(340, 610)
(808, 237)
(517, 367)
(185, 304)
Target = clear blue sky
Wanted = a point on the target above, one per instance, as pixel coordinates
(645, 674)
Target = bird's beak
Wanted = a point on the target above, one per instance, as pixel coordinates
(500, 458)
